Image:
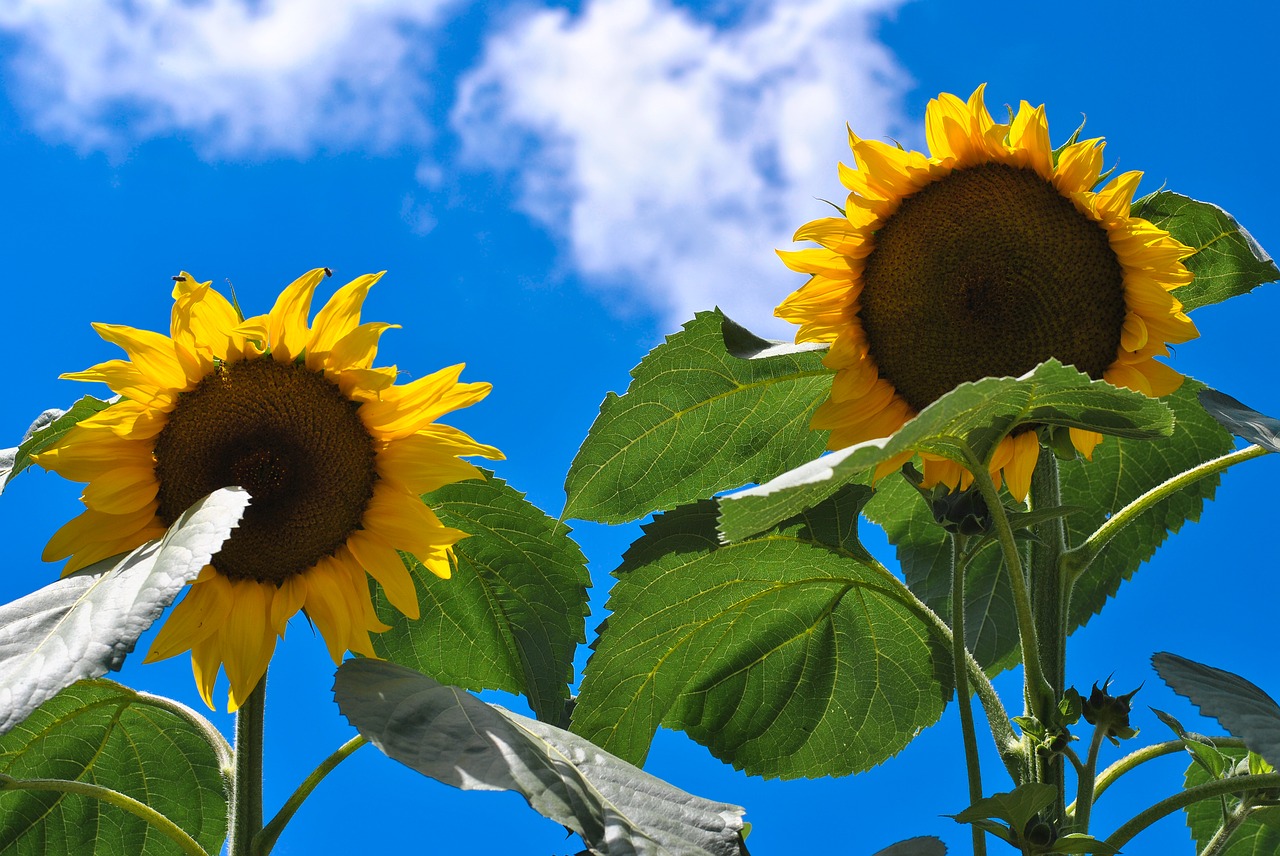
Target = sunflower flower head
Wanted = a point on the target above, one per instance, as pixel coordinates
(334, 455)
(984, 258)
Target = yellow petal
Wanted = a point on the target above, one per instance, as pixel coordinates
(288, 599)
(329, 605)
(403, 410)
(124, 378)
(132, 420)
(287, 321)
(420, 464)
(1030, 133)
(384, 564)
(196, 618)
(122, 490)
(206, 659)
(404, 521)
(338, 317)
(246, 638)
(150, 352)
(356, 349)
(1085, 441)
(1026, 451)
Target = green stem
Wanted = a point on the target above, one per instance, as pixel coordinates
(1039, 694)
(1050, 599)
(212, 736)
(1007, 743)
(1084, 788)
(1208, 790)
(246, 793)
(138, 809)
(271, 832)
(1133, 760)
(959, 659)
(1078, 560)
(1233, 822)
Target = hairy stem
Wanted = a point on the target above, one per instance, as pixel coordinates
(1208, 790)
(1050, 600)
(1039, 694)
(1007, 743)
(959, 659)
(270, 833)
(246, 793)
(1136, 759)
(1084, 788)
(1222, 837)
(1078, 560)
(138, 809)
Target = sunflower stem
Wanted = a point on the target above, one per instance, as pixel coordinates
(1109, 776)
(1050, 601)
(141, 810)
(959, 659)
(1088, 779)
(1077, 560)
(246, 791)
(270, 833)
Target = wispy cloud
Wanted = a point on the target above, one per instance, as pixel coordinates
(239, 77)
(672, 154)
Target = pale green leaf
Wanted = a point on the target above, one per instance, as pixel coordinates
(453, 737)
(83, 625)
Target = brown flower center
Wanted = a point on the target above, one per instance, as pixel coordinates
(292, 439)
(988, 273)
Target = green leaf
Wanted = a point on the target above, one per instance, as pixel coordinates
(453, 737)
(786, 654)
(969, 421)
(84, 624)
(47, 429)
(1016, 807)
(1257, 836)
(924, 845)
(1243, 709)
(695, 421)
(1079, 842)
(514, 611)
(1242, 420)
(1121, 471)
(105, 734)
(1227, 262)
(924, 554)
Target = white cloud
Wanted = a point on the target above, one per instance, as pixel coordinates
(673, 154)
(238, 76)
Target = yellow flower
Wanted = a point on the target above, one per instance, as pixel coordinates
(983, 259)
(333, 454)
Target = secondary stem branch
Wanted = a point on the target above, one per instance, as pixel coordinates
(122, 801)
(1079, 559)
(1209, 790)
(271, 832)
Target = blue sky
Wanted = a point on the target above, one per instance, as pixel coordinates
(553, 188)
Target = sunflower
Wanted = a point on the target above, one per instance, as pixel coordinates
(985, 258)
(333, 454)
